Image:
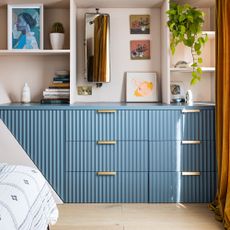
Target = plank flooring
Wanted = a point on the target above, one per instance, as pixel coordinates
(136, 217)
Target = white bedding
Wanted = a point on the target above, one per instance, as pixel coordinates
(26, 202)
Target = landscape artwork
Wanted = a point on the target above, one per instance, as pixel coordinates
(140, 49)
(140, 24)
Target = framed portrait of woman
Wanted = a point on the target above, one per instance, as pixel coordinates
(25, 26)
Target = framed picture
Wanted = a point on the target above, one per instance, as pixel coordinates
(177, 91)
(141, 87)
(25, 26)
(140, 24)
(140, 49)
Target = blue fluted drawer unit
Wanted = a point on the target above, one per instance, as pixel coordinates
(93, 125)
(198, 124)
(90, 188)
(41, 134)
(165, 125)
(120, 156)
(176, 156)
(174, 187)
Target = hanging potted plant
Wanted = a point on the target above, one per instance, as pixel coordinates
(185, 24)
(57, 36)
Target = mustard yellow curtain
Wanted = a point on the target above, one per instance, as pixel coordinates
(221, 205)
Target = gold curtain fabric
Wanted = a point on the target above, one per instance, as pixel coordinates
(101, 56)
(221, 205)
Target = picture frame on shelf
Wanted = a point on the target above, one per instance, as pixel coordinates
(140, 24)
(141, 87)
(139, 49)
(177, 92)
(25, 26)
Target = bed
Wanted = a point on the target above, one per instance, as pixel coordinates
(26, 202)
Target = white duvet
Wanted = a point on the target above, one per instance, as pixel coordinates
(26, 202)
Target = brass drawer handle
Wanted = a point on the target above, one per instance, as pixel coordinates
(190, 111)
(106, 142)
(190, 173)
(107, 111)
(190, 142)
(106, 173)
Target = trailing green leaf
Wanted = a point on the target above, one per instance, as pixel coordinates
(185, 24)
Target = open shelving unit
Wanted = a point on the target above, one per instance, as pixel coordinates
(37, 67)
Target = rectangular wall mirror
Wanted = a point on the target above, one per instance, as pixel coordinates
(97, 47)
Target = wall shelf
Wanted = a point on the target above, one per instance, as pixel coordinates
(34, 52)
(189, 70)
(211, 34)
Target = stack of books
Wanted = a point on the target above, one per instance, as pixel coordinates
(59, 91)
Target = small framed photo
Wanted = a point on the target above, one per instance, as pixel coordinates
(141, 87)
(177, 91)
(140, 24)
(25, 26)
(140, 49)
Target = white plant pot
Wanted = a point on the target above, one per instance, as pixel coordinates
(57, 40)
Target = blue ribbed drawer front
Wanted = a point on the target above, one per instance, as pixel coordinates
(198, 188)
(165, 125)
(122, 156)
(91, 125)
(199, 125)
(175, 156)
(41, 134)
(173, 187)
(165, 156)
(88, 187)
(199, 157)
(164, 187)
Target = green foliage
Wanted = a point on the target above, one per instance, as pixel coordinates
(185, 24)
(57, 27)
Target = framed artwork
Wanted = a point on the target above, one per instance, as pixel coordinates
(25, 26)
(140, 24)
(141, 87)
(177, 91)
(140, 49)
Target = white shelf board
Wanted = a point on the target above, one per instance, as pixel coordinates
(34, 52)
(211, 34)
(189, 70)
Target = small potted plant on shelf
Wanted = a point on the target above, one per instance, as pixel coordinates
(185, 24)
(57, 36)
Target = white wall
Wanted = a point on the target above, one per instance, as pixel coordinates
(120, 52)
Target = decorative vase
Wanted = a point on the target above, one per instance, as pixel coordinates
(57, 40)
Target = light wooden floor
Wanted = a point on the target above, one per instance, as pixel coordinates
(136, 217)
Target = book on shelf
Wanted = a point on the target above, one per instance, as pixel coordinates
(54, 101)
(56, 96)
(57, 90)
(60, 85)
(55, 93)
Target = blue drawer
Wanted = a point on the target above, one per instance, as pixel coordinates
(122, 156)
(91, 125)
(196, 189)
(175, 187)
(199, 157)
(88, 187)
(175, 156)
(165, 125)
(198, 124)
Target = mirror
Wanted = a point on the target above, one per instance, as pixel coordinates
(97, 42)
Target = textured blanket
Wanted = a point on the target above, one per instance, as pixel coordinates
(26, 201)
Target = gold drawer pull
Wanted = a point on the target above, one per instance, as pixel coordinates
(106, 173)
(191, 142)
(190, 173)
(106, 142)
(107, 111)
(190, 111)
